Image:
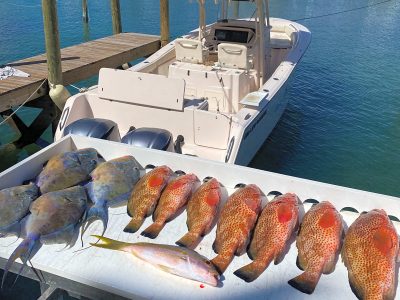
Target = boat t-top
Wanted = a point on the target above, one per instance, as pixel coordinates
(215, 93)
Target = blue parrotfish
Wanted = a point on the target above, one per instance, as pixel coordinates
(111, 185)
(54, 218)
(67, 169)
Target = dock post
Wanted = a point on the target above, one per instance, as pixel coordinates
(236, 9)
(164, 22)
(116, 16)
(85, 11)
(58, 93)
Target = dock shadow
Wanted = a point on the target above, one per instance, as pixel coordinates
(36, 62)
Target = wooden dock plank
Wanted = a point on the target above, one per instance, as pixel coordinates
(79, 62)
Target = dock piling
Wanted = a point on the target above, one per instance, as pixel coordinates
(164, 22)
(85, 11)
(58, 93)
(116, 16)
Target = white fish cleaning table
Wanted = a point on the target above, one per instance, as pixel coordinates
(104, 274)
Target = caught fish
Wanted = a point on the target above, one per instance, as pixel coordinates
(54, 219)
(318, 243)
(275, 226)
(202, 210)
(172, 201)
(67, 169)
(237, 220)
(145, 196)
(176, 260)
(369, 252)
(111, 185)
(14, 206)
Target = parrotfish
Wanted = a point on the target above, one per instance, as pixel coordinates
(369, 252)
(14, 206)
(237, 220)
(173, 199)
(145, 196)
(318, 243)
(67, 169)
(111, 185)
(202, 211)
(275, 227)
(54, 219)
(176, 260)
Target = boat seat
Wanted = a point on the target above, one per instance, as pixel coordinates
(187, 50)
(94, 127)
(152, 138)
(233, 56)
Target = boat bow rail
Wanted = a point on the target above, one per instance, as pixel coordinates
(101, 270)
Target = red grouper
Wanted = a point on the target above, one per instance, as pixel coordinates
(237, 220)
(173, 199)
(369, 252)
(14, 206)
(202, 211)
(275, 227)
(54, 218)
(111, 185)
(318, 242)
(145, 196)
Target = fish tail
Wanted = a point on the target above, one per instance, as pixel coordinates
(110, 244)
(153, 230)
(305, 282)
(252, 271)
(189, 240)
(221, 262)
(23, 251)
(134, 225)
(96, 212)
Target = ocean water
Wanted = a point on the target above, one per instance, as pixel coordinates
(342, 124)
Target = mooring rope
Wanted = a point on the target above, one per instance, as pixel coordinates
(23, 103)
(342, 11)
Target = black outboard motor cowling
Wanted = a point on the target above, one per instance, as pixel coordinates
(153, 138)
(94, 127)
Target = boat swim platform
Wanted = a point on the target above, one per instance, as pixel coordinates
(79, 62)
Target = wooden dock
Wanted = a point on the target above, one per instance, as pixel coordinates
(78, 63)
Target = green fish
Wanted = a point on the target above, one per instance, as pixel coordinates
(112, 184)
(67, 169)
(14, 206)
(176, 260)
(54, 218)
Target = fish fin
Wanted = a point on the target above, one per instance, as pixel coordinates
(23, 251)
(221, 262)
(305, 282)
(330, 265)
(110, 244)
(215, 247)
(96, 212)
(279, 257)
(299, 263)
(134, 225)
(253, 270)
(153, 230)
(242, 247)
(64, 235)
(189, 240)
(359, 294)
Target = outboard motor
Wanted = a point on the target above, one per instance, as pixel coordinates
(97, 128)
(153, 138)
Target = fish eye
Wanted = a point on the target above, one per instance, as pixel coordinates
(208, 262)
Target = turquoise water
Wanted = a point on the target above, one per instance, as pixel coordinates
(342, 124)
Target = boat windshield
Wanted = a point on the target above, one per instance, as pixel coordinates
(241, 10)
